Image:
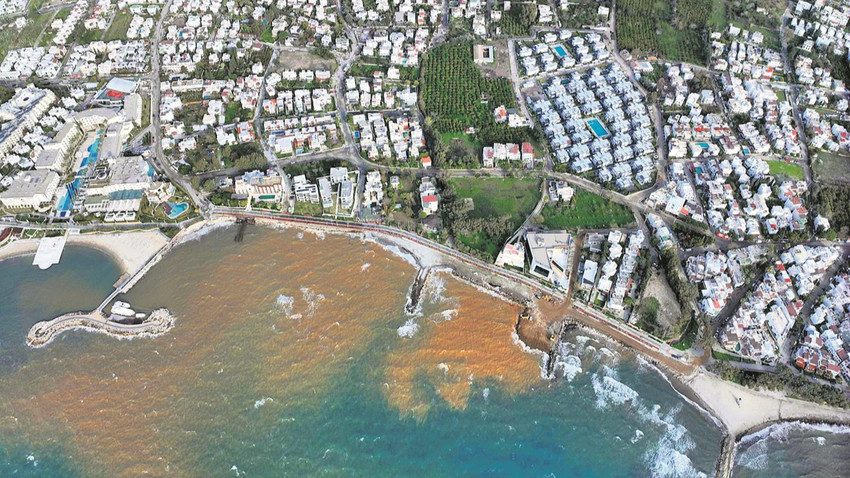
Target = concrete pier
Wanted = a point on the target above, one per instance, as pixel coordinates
(49, 251)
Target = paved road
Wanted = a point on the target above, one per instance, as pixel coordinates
(158, 159)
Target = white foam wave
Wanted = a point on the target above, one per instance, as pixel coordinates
(544, 357)
(313, 300)
(202, 231)
(285, 303)
(259, 403)
(637, 436)
(570, 367)
(669, 457)
(435, 286)
(443, 316)
(609, 391)
(409, 329)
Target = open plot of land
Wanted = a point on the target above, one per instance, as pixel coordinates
(588, 211)
(495, 197)
(662, 318)
(832, 167)
(765, 18)
(582, 13)
(304, 60)
(118, 28)
(654, 27)
(792, 170)
(501, 65)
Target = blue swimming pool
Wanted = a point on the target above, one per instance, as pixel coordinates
(599, 130)
(703, 145)
(177, 209)
(560, 51)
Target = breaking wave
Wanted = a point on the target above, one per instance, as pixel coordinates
(611, 392)
(409, 329)
(313, 300)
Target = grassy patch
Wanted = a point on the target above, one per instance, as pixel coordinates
(118, 28)
(831, 166)
(495, 197)
(234, 110)
(717, 20)
(588, 211)
(792, 170)
(732, 358)
(307, 209)
(687, 339)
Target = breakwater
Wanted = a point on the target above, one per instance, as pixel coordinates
(42, 333)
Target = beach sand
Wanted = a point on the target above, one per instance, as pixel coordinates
(755, 408)
(130, 250)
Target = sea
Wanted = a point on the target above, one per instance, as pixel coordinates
(293, 355)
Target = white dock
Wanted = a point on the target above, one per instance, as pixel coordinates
(49, 251)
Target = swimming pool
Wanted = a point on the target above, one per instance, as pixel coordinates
(599, 130)
(703, 145)
(560, 51)
(177, 209)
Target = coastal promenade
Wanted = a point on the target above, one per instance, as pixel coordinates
(42, 333)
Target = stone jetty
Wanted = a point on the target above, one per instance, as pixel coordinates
(155, 324)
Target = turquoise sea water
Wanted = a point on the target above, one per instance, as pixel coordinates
(281, 367)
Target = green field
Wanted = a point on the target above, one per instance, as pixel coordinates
(118, 28)
(588, 211)
(792, 170)
(717, 20)
(651, 27)
(494, 197)
(483, 212)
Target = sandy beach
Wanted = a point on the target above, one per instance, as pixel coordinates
(130, 250)
(755, 408)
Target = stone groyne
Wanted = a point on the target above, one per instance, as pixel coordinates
(42, 333)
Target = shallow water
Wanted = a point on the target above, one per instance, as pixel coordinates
(794, 449)
(288, 360)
